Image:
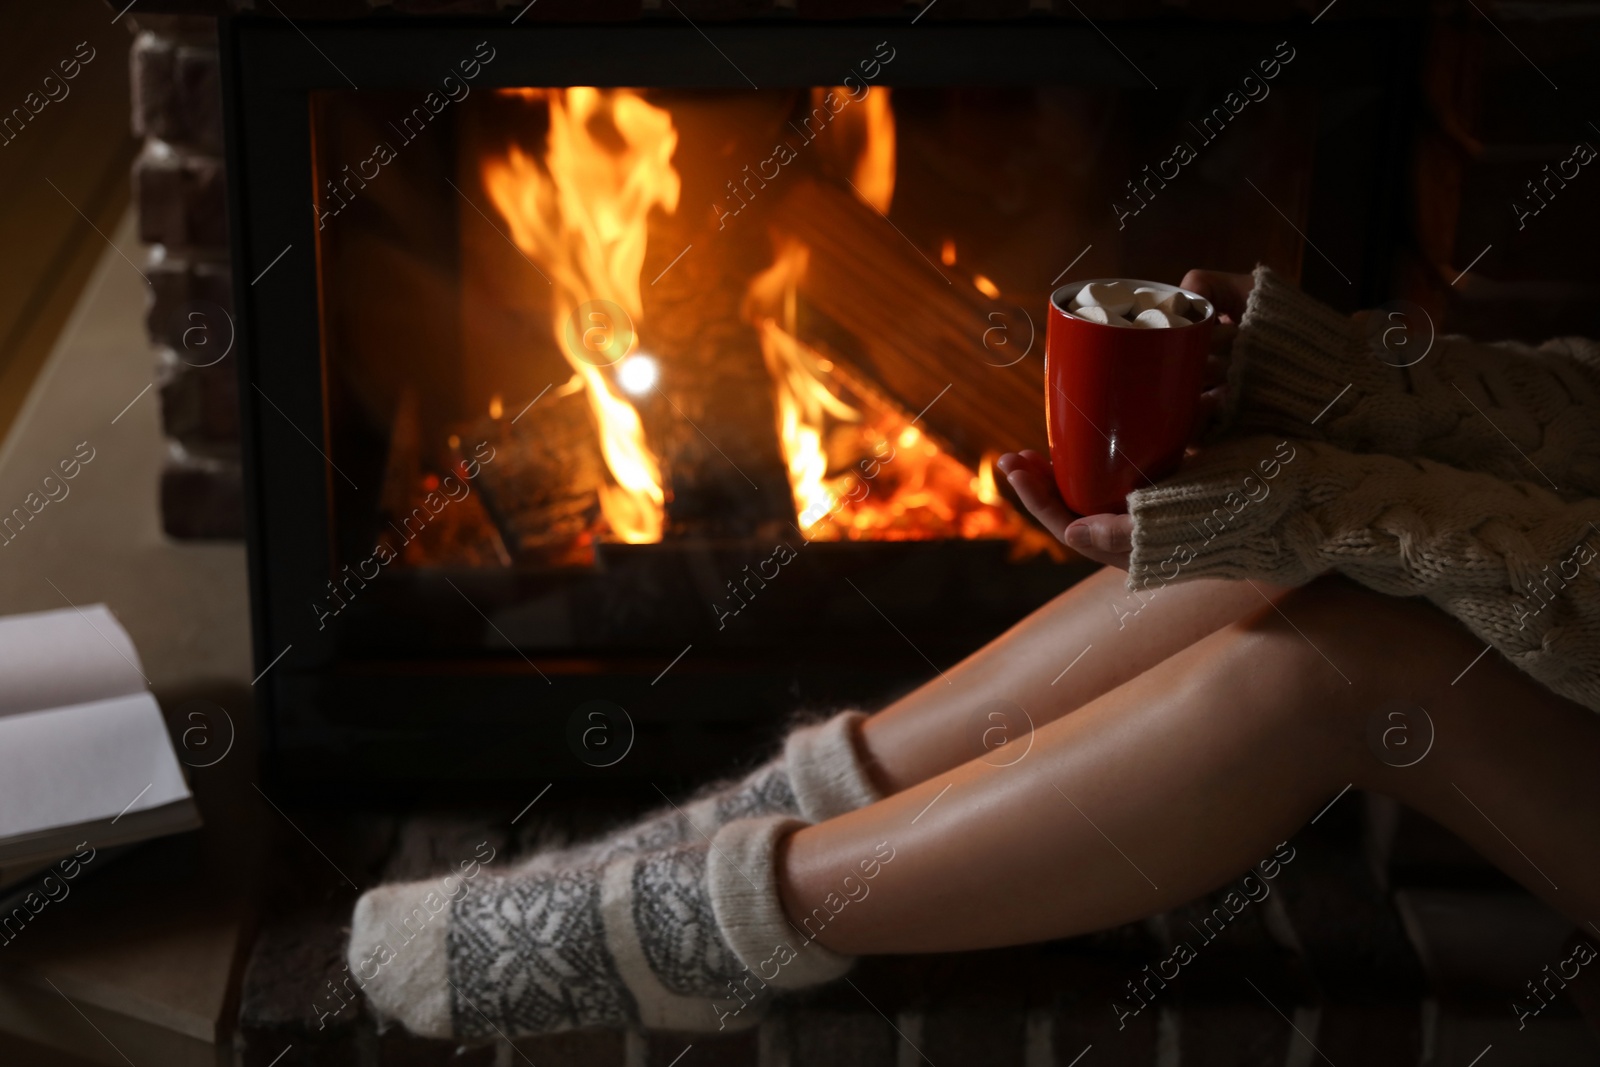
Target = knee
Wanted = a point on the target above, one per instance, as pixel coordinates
(1367, 638)
(1346, 658)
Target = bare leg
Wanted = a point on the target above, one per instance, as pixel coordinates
(1181, 778)
(1035, 668)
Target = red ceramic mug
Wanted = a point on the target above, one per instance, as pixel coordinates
(1120, 401)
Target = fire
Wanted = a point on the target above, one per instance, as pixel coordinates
(802, 401)
(983, 485)
(858, 469)
(893, 484)
(582, 212)
(579, 207)
(802, 396)
(862, 136)
(874, 176)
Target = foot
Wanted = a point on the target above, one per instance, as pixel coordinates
(691, 937)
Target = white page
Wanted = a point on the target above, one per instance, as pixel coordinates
(71, 656)
(89, 761)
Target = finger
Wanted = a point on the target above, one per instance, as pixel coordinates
(1008, 463)
(1227, 292)
(1105, 539)
(1041, 499)
(1038, 463)
(1216, 371)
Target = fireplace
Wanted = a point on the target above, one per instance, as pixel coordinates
(611, 391)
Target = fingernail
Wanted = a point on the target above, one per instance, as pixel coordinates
(1011, 479)
(1078, 536)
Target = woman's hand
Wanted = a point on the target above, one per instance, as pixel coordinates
(1105, 539)
(1228, 294)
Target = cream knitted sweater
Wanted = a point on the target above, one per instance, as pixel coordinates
(1470, 478)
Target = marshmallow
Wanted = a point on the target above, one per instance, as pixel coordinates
(1173, 303)
(1156, 319)
(1092, 313)
(1146, 298)
(1115, 297)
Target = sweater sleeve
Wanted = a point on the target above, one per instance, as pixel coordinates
(1302, 370)
(1519, 566)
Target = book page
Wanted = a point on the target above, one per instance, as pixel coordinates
(72, 656)
(90, 761)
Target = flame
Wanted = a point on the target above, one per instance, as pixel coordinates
(947, 253)
(583, 216)
(497, 407)
(869, 122)
(986, 287)
(874, 171)
(983, 485)
(802, 397)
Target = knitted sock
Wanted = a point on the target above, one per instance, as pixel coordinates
(818, 775)
(691, 938)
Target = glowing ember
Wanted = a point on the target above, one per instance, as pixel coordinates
(582, 212)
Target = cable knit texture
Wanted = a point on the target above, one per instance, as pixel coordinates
(1517, 412)
(1514, 562)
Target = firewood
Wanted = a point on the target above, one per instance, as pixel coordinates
(918, 329)
(541, 488)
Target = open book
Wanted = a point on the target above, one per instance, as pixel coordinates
(84, 753)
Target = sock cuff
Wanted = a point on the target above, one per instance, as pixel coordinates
(826, 770)
(742, 875)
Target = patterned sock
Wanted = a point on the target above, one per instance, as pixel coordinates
(692, 937)
(818, 775)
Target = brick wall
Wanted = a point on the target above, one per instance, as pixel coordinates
(1505, 91)
(180, 192)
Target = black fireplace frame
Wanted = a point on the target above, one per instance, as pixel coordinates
(406, 727)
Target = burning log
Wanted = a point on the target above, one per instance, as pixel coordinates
(542, 488)
(918, 330)
(710, 420)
